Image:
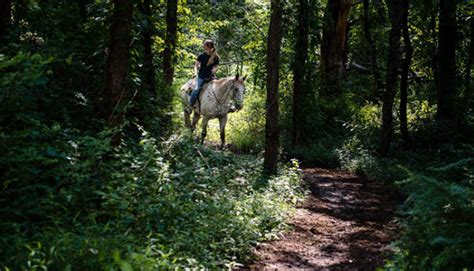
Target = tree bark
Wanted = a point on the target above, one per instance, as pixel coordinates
(468, 87)
(373, 53)
(114, 92)
(5, 18)
(434, 46)
(333, 45)
(396, 14)
(405, 69)
(170, 40)
(272, 66)
(299, 71)
(447, 61)
(149, 70)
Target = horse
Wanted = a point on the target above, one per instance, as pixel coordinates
(214, 101)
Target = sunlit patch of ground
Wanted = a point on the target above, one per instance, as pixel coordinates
(346, 223)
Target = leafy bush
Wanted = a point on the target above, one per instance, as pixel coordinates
(154, 205)
(357, 158)
(438, 232)
(320, 153)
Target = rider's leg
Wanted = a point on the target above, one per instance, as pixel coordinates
(195, 92)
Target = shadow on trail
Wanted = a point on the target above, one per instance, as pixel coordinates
(346, 223)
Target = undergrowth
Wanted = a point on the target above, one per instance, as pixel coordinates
(169, 205)
(439, 212)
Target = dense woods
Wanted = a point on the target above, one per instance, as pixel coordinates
(99, 172)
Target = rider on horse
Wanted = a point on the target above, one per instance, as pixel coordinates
(207, 64)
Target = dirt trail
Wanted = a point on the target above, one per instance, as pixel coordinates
(346, 223)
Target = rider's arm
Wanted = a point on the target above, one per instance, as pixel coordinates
(196, 67)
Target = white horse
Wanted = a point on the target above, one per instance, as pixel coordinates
(214, 101)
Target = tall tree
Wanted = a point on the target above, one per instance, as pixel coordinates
(468, 85)
(433, 11)
(147, 34)
(272, 66)
(396, 14)
(333, 45)
(5, 17)
(373, 51)
(447, 61)
(405, 69)
(114, 93)
(299, 71)
(170, 40)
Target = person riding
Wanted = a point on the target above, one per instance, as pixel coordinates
(207, 63)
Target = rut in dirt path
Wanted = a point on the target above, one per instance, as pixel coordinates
(346, 223)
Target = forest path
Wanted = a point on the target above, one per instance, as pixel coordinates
(345, 223)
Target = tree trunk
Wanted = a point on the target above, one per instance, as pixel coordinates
(468, 86)
(405, 69)
(434, 46)
(170, 40)
(396, 14)
(299, 71)
(114, 92)
(447, 61)
(5, 18)
(373, 53)
(333, 45)
(272, 66)
(149, 70)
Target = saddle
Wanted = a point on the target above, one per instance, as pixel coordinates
(206, 81)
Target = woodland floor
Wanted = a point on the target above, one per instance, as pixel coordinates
(345, 223)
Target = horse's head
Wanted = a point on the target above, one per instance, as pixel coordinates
(238, 91)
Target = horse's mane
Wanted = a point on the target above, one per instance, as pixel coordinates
(223, 81)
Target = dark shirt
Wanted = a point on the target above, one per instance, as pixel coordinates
(204, 70)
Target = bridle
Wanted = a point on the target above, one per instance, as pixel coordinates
(220, 102)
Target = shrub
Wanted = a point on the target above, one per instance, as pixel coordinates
(150, 205)
(438, 232)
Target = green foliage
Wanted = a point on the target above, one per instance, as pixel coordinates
(22, 81)
(320, 153)
(438, 232)
(166, 205)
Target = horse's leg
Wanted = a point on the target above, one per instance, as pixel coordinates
(205, 120)
(187, 117)
(222, 123)
(196, 117)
